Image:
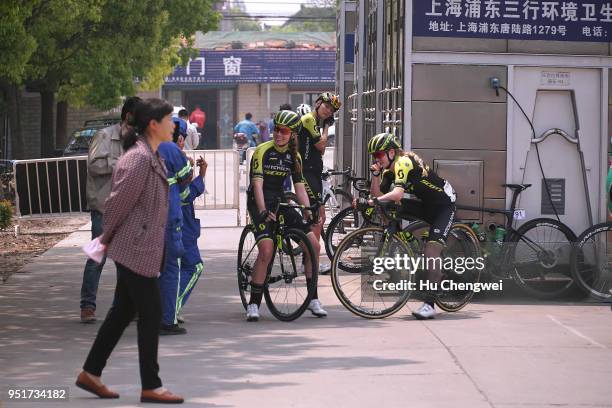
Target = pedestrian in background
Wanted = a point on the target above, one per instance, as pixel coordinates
(248, 128)
(192, 138)
(104, 152)
(135, 215)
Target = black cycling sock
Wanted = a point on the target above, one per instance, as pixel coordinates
(315, 295)
(256, 294)
(430, 297)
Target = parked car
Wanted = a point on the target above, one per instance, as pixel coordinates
(79, 142)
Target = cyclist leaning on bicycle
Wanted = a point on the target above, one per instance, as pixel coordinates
(272, 162)
(406, 173)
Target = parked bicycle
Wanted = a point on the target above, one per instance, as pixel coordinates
(286, 289)
(536, 255)
(349, 219)
(371, 291)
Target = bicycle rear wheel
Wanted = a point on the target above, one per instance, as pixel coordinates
(247, 254)
(364, 292)
(540, 255)
(345, 222)
(287, 291)
(590, 264)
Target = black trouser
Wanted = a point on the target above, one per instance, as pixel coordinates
(133, 293)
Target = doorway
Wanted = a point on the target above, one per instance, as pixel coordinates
(208, 102)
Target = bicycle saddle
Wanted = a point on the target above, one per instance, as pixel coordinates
(519, 187)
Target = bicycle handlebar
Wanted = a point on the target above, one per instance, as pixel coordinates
(314, 210)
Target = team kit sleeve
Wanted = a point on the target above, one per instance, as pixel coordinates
(257, 162)
(310, 126)
(402, 170)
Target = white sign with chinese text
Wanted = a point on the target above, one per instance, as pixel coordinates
(555, 78)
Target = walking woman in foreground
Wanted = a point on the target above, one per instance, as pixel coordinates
(133, 232)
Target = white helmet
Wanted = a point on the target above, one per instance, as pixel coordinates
(303, 109)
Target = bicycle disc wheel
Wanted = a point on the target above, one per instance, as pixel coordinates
(590, 265)
(247, 254)
(540, 256)
(287, 291)
(459, 280)
(366, 292)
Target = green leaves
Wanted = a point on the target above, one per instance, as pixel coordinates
(92, 51)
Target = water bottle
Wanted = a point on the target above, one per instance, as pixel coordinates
(482, 236)
(500, 234)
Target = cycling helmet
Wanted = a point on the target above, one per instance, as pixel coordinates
(288, 118)
(303, 109)
(330, 98)
(383, 142)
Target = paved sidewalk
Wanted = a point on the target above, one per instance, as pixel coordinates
(491, 354)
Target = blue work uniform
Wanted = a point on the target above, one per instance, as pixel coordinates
(191, 262)
(179, 172)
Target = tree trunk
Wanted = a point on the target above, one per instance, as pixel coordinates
(61, 125)
(13, 97)
(47, 124)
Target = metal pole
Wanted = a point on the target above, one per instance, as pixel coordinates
(582, 163)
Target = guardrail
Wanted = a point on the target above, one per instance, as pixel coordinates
(53, 186)
(58, 186)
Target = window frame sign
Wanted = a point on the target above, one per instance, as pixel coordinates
(558, 20)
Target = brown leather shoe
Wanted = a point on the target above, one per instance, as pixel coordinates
(88, 315)
(164, 398)
(84, 382)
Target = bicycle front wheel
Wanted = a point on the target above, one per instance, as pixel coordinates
(541, 251)
(591, 261)
(360, 281)
(288, 290)
(247, 254)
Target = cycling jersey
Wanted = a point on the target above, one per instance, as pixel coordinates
(409, 174)
(308, 137)
(272, 164)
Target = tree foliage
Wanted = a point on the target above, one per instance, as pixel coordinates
(318, 18)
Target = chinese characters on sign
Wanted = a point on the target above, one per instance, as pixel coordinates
(257, 66)
(232, 65)
(576, 20)
(555, 78)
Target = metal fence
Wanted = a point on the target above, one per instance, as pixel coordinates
(50, 186)
(58, 186)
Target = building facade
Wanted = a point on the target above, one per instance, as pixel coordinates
(236, 73)
(434, 73)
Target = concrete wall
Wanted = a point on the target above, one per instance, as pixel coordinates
(462, 120)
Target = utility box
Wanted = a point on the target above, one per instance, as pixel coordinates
(466, 177)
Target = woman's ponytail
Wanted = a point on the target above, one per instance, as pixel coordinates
(293, 151)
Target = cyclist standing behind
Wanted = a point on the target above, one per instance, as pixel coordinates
(406, 173)
(272, 162)
(313, 140)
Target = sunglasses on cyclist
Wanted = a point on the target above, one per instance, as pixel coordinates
(379, 155)
(283, 130)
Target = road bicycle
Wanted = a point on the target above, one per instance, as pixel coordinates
(370, 284)
(286, 290)
(536, 255)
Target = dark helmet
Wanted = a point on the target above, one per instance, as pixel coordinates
(288, 118)
(330, 98)
(383, 142)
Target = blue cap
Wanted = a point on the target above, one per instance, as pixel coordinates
(182, 126)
